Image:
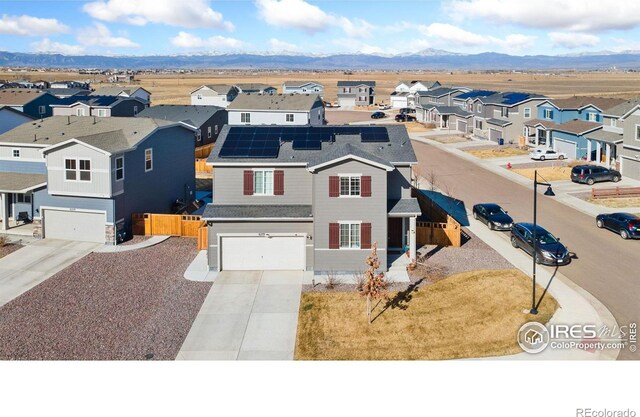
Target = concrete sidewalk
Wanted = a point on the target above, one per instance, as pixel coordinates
(154, 240)
(247, 315)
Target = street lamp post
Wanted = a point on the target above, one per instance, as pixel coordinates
(549, 193)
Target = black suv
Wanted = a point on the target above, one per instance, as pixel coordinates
(626, 224)
(549, 249)
(404, 117)
(590, 174)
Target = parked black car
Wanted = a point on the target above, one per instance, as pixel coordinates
(494, 216)
(407, 110)
(404, 117)
(590, 174)
(626, 224)
(378, 115)
(549, 249)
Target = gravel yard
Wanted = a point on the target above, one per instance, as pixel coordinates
(9, 248)
(107, 306)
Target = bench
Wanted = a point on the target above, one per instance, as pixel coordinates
(616, 192)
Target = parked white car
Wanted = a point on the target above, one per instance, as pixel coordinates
(384, 107)
(542, 154)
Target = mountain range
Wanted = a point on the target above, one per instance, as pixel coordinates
(428, 59)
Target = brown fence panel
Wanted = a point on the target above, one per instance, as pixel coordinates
(440, 234)
(201, 166)
(204, 151)
(203, 238)
(141, 224)
(189, 226)
(166, 224)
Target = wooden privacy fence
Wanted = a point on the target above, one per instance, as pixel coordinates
(150, 224)
(440, 234)
(615, 192)
(202, 167)
(203, 237)
(204, 151)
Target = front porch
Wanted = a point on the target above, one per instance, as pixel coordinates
(16, 201)
(602, 148)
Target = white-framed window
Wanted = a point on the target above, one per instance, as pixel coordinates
(638, 132)
(504, 111)
(84, 167)
(209, 132)
(148, 159)
(77, 170)
(479, 124)
(527, 112)
(23, 198)
(120, 168)
(102, 113)
(350, 186)
(198, 135)
(479, 108)
(80, 111)
(592, 117)
(614, 122)
(263, 182)
(199, 97)
(15, 153)
(289, 117)
(245, 117)
(215, 129)
(41, 110)
(548, 114)
(135, 110)
(349, 235)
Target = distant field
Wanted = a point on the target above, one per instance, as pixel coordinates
(175, 88)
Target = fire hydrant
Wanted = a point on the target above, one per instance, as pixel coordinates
(508, 165)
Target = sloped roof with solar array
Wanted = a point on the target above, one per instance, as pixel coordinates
(309, 144)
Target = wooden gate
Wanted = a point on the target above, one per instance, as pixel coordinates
(203, 238)
(440, 234)
(150, 224)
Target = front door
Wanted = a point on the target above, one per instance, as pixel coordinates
(394, 232)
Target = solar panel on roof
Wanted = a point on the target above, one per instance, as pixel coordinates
(310, 145)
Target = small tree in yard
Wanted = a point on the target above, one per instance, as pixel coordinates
(374, 286)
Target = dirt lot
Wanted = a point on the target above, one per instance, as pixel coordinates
(497, 152)
(175, 88)
(340, 117)
(107, 306)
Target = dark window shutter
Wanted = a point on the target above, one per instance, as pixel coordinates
(334, 236)
(248, 183)
(334, 186)
(365, 186)
(278, 182)
(365, 236)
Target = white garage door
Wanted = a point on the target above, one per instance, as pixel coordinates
(569, 148)
(631, 168)
(74, 225)
(249, 253)
(494, 134)
(462, 126)
(347, 102)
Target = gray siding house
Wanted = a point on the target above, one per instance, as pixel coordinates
(630, 155)
(214, 95)
(302, 87)
(98, 106)
(356, 93)
(276, 109)
(312, 198)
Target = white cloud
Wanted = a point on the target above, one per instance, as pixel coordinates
(30, 26)
(356, 46)
(46, 45)
(298, 14)
(572, 40)
(515, 42)
(278, 46)
(585, 15)
(452, 34)
(100, 35)
(189, 41)
(189, 13)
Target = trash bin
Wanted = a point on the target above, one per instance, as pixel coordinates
(500, 141)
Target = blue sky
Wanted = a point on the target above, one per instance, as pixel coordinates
(142, 27)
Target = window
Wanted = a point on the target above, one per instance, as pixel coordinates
(209, 132)
(41, 110)
(592, 117)
(23, 198)
(245, 117)
(16, 153)
(349, 186)
(289, 117)
(215, 129)
(263, 182)
(198, 135)
(548, 114)
(504, 111)
(614, 123)
(102, 113)
(637, 132)
(135, 110)
(70, 169)
(349, 235)
(199, 97)
(527, 112)
(80, 112)
(85, 169)
(77, 169)
(479, 124)
(479, 108)
(148, 160)
(119, 168)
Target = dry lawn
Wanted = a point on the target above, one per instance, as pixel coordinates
(501, 152)
(448, 139)
(467, 315)
(547, 173)
(416, 127)
(616, 202)
(175, 88)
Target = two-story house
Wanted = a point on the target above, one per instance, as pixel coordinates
(465, 100)
(130, 92)
(214, 95)
(630, 153)
(356, 93)
(207, 121)
(302, 87)
(403, 94)
(256, 88)
(564, 124)
(82, 178)
(98, 106)
(67, 92)
(35, 103)
(312, 198)
(277, 109)
(502, 115)
(10, 118)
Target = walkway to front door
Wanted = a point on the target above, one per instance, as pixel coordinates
(247, 315)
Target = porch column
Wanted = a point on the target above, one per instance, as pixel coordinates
(412, 238)
(537, 137)
(589, 145)
(598, 152)
(3, 211)
(404, 235)
(608, 154)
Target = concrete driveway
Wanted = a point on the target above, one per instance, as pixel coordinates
(27, 267)
(247, 315)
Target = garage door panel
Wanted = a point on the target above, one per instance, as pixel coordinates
(631, 168)
(494, 134)
(246, 253)
(74, 225)
(569, 148)
(462, 126)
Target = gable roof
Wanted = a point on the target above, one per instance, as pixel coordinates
(192, 115)
(457, 110)
(254, 87)
(350, 83)
(116, 90)
(577, 127)
(68, 91)
(426, 83)
(14, 182)
(623, 108)
(579, 102)
(348, 151)
(12, 110)
(509, 98)
(299, 102)
(299, 83)
(438, 92)
(475, 94)
(19, 96)
(605, 136)
(93, 101)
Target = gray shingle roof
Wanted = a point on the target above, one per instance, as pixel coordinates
(19, 96)
(397, 150)
(438, 92)
(197, 115)
(93, 101)
(499, 122)
(356, 83)
(253, 87)
(67, 91)
(457, 110)
(510, 98)
(266, 212)
(298, 83)
(114, 91)
(221, 88)
(622, 109)
(605, 136)
(299, 102)
(345, 149)
(404, 206)
(13, 182)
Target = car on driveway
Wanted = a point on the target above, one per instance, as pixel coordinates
(378, 115)
(404, 117)
(407, 110)
(590, 174)
(548, 248)
(384, 107)
(625, 224)
(494, 216)
(542, 154)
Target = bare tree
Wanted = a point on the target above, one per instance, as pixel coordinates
(374, 286)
